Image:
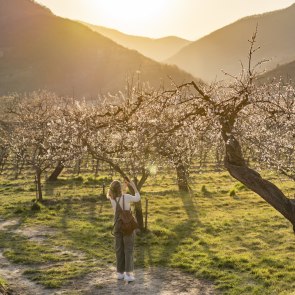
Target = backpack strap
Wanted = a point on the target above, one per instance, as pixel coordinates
(124, 203)
(117, 204)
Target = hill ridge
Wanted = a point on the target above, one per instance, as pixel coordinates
(47, 51)
(227, 46)
(158, 49)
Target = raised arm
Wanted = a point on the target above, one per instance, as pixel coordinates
(136, 197)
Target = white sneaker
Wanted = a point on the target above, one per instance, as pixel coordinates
(120, 276)
(129, 278)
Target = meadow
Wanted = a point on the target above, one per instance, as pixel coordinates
(221, 232)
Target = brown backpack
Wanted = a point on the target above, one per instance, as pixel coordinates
(127, 221)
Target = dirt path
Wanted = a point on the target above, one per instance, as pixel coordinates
(153, 281)
(6, 224)
(17, 282)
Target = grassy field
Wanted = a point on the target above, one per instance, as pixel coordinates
(222, 232)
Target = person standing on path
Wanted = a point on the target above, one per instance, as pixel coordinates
(124, 244)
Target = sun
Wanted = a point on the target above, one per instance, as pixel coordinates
(131, 9)
(135, 17)
(129, 14)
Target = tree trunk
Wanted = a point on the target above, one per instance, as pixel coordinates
(144, 177)
(237, 167)
(138, 205)
(57, 171)
(182, 177)
(19, 164)
(3, 159)
(138, 210)
(2, 164)
(78, 166)
(39, 187)
(139, 215)
(96, 167)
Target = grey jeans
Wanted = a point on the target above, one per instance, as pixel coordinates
(124, 252)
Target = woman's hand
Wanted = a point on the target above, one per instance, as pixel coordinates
(132, 184)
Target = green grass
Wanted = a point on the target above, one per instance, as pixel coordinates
(55, 276)
(223, 232)
(3, 284)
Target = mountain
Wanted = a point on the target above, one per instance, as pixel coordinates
(41, 50)
(226, 47)
(286, 72)
(157, 49)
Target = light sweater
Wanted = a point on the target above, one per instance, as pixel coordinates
(127, 200)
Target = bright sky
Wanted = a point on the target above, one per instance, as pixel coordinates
(190, 19)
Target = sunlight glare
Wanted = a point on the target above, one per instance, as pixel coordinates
(130, 12)
(153, 169)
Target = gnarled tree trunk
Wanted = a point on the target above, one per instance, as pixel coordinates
(138, 205)
(237, 167)
(57, 171)
(39, 186)
(182, 178)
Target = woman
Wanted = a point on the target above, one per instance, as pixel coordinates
(123, 244)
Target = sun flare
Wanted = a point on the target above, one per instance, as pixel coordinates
(128, 12)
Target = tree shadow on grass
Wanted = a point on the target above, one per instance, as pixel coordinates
(91, 230)
(184, 229)
(180, 233)
(56, 188)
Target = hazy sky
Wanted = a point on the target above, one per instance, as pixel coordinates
(189, 19)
